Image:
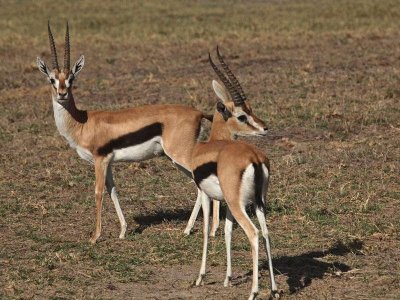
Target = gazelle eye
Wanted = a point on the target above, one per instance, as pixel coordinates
(242, 118)
(52, 81)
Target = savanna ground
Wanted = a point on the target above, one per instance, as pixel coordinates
(324, 75)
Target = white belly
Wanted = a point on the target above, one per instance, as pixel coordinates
(140, 152)
(211, 187)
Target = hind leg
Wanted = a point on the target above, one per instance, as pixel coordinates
(228, 238)
(215, 219)
(239, 212)
(261, 219)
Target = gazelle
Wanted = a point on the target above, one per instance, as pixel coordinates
(259, 123)
(234, 171)
(102, 137)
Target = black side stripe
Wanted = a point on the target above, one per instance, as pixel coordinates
(204, 171)
(259, 185)
(131, 139)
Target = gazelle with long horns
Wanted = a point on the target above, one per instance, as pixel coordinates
(102, 137)
(233, 171)
(232, 83)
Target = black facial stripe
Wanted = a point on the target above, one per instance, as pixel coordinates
(204, 171)
(131, 139)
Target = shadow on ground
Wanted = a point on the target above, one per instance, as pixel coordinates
(146, 221)
(302, 269)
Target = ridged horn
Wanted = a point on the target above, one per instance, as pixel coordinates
(231, 76)
(232, 91)
(53, 50)
(67, 51)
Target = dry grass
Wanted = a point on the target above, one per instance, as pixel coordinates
(324, 74)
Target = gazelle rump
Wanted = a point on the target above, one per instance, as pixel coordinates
(237, 173)
(245, 122)
(102, 137)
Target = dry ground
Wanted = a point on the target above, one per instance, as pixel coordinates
(323, 74)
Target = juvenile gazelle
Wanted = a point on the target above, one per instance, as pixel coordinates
(234, 171)
(102, 137)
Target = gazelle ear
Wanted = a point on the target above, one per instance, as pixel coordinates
(78, 66)
(42, 67)
(221, 108)
(220, 91)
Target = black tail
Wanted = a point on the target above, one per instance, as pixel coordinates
(259, 181)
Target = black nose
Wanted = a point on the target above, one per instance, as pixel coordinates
(62, 95)
(265, 128)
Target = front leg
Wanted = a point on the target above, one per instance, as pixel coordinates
(194, 213)
(112, 191)
(100, 166)
(205, 203)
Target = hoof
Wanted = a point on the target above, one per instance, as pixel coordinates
(199, 280)
(187, 231)
(93, 240)
(253, 296)
(275, 294)
(227, 282)
(123, 231)
(122, 235)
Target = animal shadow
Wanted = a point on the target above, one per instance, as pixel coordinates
(302, 269)
(146, 221)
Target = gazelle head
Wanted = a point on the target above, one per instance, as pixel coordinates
(234, 108)
(60, 79)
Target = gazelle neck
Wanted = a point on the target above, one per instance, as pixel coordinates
(68, 118)
(219, 130)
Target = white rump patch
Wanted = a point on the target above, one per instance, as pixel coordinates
(247, 185)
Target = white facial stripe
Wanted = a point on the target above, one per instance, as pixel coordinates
(253, 123)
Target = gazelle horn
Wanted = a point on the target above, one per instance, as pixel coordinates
(67, 51)
(231, 76)
(53, 49)
(232, 91)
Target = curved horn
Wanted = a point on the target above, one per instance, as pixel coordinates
(53, 49)
(67, 52)
(235, 95)
(231, 77)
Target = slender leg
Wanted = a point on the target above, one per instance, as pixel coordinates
(100, 166)
(228, 238)
(194, 214)
(205, 203)
(215, 220)
(261, 219)
(112, 191)
(251, 231)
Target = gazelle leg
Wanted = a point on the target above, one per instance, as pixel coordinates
(228, 238)
(100, 166)
(239, 212)
(205, 203)
(215, 220)
(261, 219)
(112, 191)
(194, 214)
